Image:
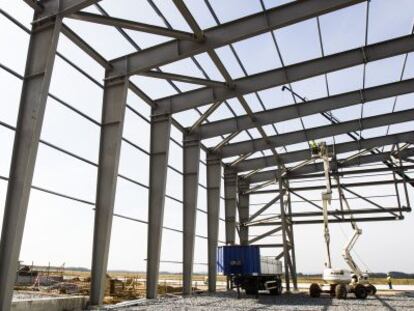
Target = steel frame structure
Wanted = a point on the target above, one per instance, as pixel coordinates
(241, 176)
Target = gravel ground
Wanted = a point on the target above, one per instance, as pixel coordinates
(298, 301)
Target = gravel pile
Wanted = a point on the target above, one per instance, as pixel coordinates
(299, 301)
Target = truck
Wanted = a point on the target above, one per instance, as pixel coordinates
(246, 269)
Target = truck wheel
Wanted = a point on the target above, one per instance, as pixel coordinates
(360, 291)
(372, 290)
(276, 291)
(340, 291)
(315, 290)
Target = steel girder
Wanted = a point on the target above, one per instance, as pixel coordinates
(113, 112)
(230, 203)
(52, 8)
(224, 34)
(213, 209)
(280, 76)
(315, 133)
(320, 221)
(304, 154)
(39, 65)
(319, 105)
(318, 167)
(191, 161)
(244, 211)
(159, 148)
(132, 25)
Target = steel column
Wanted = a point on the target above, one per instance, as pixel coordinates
(292, 242)
(191, 160)
(230, 203)
(39, 65)
(113, 112)
(213, 209)
(159, 147)
(284, 225)
(244, 210)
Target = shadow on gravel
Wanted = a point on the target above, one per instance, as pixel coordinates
(385, 304)
(297, 299)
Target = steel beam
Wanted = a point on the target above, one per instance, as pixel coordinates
(315, 133)
(159, 147)
(244, 211)
(213, 209)
(131, 25)
(318, 167)
(230, 203)
(292, 73)
(39, 65)
(113, 112)
(264, 208)
(284, 224)
(181, 78)
(303, 109)
(264, 235)
(53, 8)
(224, 34)
(191, 160)
(304, 154)
(320, 221)
(185, 12)
(353, 212)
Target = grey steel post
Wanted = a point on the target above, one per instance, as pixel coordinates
(230, 203)
(213, 209)
(113, 112)
(39, 65)
(292, 243)
(284, 230)
(160, 140)
(191, 160)
(244, 201)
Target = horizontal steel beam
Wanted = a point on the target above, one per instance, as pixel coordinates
(264, 208)
(349, 185)
(181, 78)
(352, 212)
(303, 109)
(132, 25)
(318, 167)
(304, 154)
(264, 235)
(320, 221)
(224, 34)
(280, 76)
(291, 138)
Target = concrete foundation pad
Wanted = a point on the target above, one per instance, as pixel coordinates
(75, 303)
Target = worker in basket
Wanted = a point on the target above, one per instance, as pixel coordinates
(314, 148)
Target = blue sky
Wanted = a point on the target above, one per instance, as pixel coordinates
(60, 230)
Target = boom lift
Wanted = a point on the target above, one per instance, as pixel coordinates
(340, 281)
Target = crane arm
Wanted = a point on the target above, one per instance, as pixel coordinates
(351, 243)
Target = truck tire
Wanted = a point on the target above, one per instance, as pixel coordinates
(360, 291)
(371, 289)
(276, 291)
(341, 291)
(315, 290)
